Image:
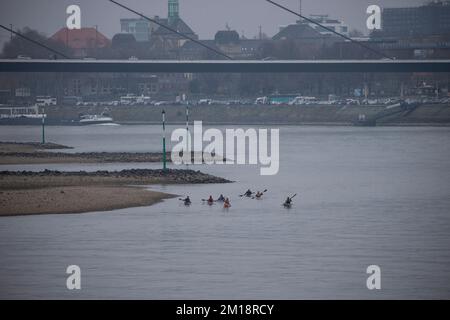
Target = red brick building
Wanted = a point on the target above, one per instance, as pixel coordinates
(84, 42)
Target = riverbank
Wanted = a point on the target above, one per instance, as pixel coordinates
(430, 114)
(51, 192)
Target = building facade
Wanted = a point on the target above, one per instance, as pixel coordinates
(141, 29)
(430, 19)
(326, 21)
(165, 43)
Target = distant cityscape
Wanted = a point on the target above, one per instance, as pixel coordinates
(407, 33)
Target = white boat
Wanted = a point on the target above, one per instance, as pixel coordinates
(103, 118)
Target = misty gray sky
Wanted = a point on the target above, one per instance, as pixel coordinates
(204, 16)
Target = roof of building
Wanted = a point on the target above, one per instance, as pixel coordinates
(81, 38)
(139, 19)
(226, 36)
(177, 24)
(297, 31)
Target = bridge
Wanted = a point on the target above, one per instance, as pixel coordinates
(224, 66)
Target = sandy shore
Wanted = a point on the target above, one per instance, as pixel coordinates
(47, 192)
(60, 200)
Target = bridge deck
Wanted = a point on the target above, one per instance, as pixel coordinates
(224, 66)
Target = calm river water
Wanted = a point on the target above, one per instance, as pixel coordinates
(366, 196)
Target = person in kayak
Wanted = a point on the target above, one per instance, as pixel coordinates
(210, 200)
(288, 202)
(258, 194)
(221, 198)
(227, 203)
(187, 200)
(248, 193)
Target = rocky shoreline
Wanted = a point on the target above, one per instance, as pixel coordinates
(86, 157)
(32, 153)
(34, 145)
(28, 179)
(29, 147)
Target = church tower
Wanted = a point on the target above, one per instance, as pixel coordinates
(173, 10)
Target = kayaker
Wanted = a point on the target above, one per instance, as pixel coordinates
(248, 193)
(227, 203)
(221, 198)
(258, 194)
(187, 200)
(210, 200)
(288, 202)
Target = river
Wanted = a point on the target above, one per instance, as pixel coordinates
(366, 196)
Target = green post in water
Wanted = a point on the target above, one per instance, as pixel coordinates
(43, 126)
(164, 140)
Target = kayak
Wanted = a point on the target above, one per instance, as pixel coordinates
(226, 205)
(210, 203)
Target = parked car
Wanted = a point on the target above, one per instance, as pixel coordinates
(204, 101)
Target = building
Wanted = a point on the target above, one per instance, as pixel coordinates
(93, 87)
(84, 42)
(298, 32)
(333, 24)
(173, 11)
(140, 28)
(165, 43)
(123, 41)
(226, 41)
(427, 20)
